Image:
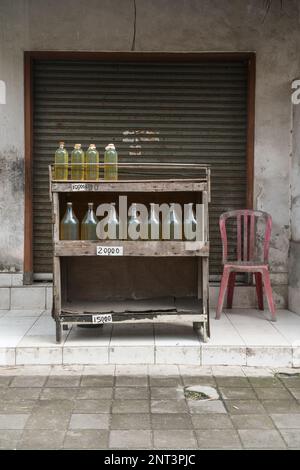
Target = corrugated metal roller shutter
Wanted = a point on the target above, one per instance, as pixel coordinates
(196, 111)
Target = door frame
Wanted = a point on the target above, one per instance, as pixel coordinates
(31, 56)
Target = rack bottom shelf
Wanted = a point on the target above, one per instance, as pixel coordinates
(105, 311)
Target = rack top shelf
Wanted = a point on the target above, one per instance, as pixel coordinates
(134, 177)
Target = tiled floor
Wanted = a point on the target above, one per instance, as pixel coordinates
(132, 407)
(240, 337)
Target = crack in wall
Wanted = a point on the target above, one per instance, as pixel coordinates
(134, 26)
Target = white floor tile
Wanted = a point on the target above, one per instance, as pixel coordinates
(7, 357)
(40, 355)
(103, 369)
(85, 355)
(226, 355)
(89, 337)
(177, 355)
(132, 335)
(131, 355)
(229, 371)
(24, 313)
(175, 335)
(269, 356)
(66, 370)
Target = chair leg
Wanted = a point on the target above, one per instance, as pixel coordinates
(259, 290)
(223, 287)
(230, 290)
(268, 290)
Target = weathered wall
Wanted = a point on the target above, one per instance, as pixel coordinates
(294, 255)
(161, 25)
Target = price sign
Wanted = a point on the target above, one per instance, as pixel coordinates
(109, 250)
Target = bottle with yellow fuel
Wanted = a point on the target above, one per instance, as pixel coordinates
(110, 163)
(61, 162)
(92, 156)
(77, 163)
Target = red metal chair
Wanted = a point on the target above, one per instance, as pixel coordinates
(248, 259)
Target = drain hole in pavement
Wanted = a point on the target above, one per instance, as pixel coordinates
(199, 392)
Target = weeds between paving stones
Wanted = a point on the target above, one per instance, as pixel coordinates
(200, 393)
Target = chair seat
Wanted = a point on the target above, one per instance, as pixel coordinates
(246, 265)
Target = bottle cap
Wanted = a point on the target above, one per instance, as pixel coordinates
(77, 146)
(110, 147)
(90, 204)
(69, 204)
(61, 144)
(92, 146)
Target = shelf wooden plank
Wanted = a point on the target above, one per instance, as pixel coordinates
(132, 248)
(130, 186)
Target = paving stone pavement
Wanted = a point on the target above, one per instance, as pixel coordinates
(143, 407)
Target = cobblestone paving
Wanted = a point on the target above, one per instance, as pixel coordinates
(144, 408)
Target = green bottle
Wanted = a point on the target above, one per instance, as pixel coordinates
(89, 224)
(61, 162)
(110, 163)
(69, 226)
(77, 157)
(92, 156)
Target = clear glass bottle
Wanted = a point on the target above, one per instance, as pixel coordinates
(92, 156)
(190, 222)
(111, 159)
(154, 227)
(112, 223)
(77, 157)
(133, 223)
(89, 224)
(174, 223)
(61, 160)
(69, 226)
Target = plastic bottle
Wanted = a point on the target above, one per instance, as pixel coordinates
(77, 157)
(111, 159)
(69, 226)
(89, 224)
(92, 156)
(190, 222)
(61, 160)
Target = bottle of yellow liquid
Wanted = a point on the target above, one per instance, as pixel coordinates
(61, 162)
(69, 226)
(89, 224)
(92, 156)
(110, 163)
(77, 157)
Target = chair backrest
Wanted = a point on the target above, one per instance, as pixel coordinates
(246, 233)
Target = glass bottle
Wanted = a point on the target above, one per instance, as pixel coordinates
(112, 226)
(154, 227)
(77, 157)
(92, 156)
(69, 226)
(190, 222)
(174, 223)
(133, 223)
(111, 159)
(89, 224)
(61, 159)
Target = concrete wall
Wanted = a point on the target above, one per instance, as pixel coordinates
(161, 25)
(294, 255)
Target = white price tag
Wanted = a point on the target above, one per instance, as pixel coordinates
(109, 250)
(80, 187)
(105, 318)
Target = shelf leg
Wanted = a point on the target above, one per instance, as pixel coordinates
(65, 327)
(58, 331)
